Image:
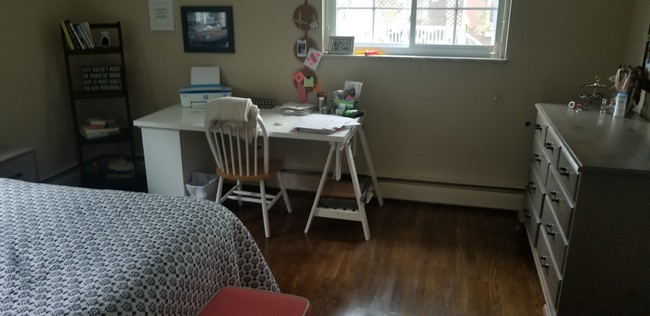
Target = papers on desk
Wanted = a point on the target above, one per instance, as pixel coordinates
(293, 108)
(324, 123)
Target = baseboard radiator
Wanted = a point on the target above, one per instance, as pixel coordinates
(408, 190)
(423, 191)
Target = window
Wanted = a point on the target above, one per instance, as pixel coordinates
(452, 28)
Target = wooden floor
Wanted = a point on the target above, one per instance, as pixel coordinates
(422, 259)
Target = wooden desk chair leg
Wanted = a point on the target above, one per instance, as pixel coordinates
(265, 209)
(219, 190)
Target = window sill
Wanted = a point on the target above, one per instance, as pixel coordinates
(413, 57)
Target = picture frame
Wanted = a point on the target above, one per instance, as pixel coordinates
(301, 48)
(341, 44)
(161, 15)
(208, 29)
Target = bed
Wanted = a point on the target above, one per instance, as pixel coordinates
(77, 251)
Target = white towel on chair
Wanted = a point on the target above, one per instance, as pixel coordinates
(232, 112)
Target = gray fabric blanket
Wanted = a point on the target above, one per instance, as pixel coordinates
(76, 251)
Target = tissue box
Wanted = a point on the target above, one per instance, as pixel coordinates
(195, 96)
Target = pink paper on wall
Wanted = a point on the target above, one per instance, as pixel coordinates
(313, 58)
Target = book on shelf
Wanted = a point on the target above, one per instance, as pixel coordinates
(66, 34)
(96, 131)
(77, 35)
(99, 122)
(88, 33)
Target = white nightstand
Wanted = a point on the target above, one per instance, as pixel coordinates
(18, 163)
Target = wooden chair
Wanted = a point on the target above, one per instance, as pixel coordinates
(243, 156)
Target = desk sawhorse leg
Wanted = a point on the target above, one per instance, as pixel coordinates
(354, 215)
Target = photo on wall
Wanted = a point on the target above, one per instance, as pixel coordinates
(208, 29)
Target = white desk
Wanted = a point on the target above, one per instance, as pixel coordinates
(171, 154)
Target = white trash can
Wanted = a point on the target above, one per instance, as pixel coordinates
(202, 186)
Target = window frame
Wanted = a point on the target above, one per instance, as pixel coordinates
(496, 51)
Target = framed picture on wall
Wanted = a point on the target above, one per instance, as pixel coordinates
(341, 44)
(208, 29)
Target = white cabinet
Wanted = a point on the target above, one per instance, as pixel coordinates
(18, 163)
(587, 212)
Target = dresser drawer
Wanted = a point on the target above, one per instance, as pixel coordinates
(560, 204)
(540, 162)
(21, 167)
(540, 129)
(551, 279)
(568, 173)
(531, 221)
(552, 146)
(557, 242)
(535, 190)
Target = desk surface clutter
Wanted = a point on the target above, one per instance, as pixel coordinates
(329, 127)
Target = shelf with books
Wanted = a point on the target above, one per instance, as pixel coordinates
(97, 86)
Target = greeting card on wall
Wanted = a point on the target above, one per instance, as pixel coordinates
(313, 58)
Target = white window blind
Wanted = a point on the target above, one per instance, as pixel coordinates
(450, 28)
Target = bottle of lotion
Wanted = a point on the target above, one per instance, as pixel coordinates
(621, 103)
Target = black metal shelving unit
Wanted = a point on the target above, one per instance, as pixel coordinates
(94, 170)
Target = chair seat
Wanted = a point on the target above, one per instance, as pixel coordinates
(236, 301)
(275, 165)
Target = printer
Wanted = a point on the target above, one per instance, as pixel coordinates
(195, 96)
(205, 86)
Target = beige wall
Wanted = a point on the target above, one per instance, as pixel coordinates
(453, 121)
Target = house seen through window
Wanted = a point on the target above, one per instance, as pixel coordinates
(451, 28)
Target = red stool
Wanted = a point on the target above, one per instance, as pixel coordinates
(236, 301)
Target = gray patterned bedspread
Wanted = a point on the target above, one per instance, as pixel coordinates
(75, 251)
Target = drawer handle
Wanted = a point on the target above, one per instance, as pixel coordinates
(554, 197)
(543, 262)
(549, 145)
(549, 229)
(537, 158)
(538, 127)
(564, 171)
(532, 186)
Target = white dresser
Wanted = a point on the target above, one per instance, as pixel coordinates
(18, 163)
(587, 212)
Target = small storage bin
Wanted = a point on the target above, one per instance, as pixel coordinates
(202, 186)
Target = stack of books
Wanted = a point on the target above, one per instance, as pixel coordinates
(97, 128)
(77, 35)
